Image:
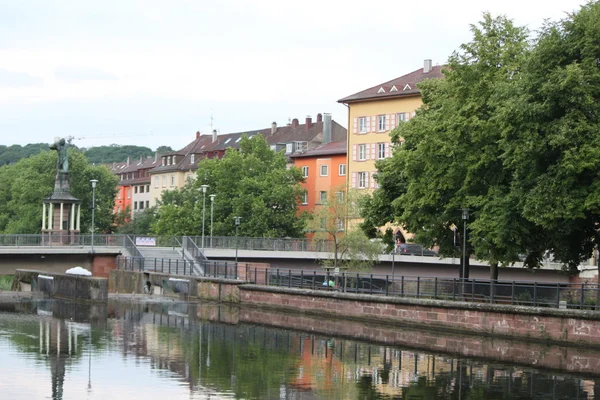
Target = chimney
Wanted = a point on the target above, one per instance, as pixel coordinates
(427, 67)
(198, 135)
(156, 155)
(308, 122)
(327, 128)
(319, 117)
(273, 127)
(214, 134)
(295, 123)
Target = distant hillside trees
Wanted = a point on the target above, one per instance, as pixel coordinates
(12, 154)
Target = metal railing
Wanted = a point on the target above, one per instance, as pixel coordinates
(62, 239)
(209, 268)
(583, 296)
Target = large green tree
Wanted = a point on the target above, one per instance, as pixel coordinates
(26, 183)
(253, 182)
(511, 133)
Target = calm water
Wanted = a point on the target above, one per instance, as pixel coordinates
(59, 350)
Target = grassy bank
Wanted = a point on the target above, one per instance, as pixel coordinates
(6, 282)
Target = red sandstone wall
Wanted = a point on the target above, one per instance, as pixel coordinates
(102, 265)
(503, 320)
(505, 350)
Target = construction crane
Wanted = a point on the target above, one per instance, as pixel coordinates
(69, 139)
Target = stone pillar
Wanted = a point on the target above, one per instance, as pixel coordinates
(43, 216)
(72, 217)
(50, 216)
(60, 227)
(78, 217)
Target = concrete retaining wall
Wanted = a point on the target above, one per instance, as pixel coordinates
(566, 326)
(184, 286)
(61, 285)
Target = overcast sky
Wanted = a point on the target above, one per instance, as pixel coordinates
(152, 72)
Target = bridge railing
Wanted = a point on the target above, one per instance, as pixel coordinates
(62, 239)
(210, 268)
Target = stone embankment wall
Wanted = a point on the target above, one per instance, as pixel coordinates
(61, 285)
(566, 326)
(546, 324)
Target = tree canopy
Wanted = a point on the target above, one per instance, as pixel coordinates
(26, 183)
(254, 183)
(511, 133)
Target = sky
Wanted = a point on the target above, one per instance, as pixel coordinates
(153, 73)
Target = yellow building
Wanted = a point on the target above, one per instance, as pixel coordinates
(372, 114)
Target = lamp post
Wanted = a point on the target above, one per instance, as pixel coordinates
(212, 203)
(237, 225)
(203, 188)
(465, 217)
(93, 182)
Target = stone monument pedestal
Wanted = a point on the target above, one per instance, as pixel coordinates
(61, 214)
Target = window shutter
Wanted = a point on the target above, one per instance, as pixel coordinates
(387, 122)
(366, 179)
(393, 121)
(353, 180)
(373, 180)
(368, 119)
(353, 152)
(374, 151)
(355, 125)
(374, 124)
(387, 150)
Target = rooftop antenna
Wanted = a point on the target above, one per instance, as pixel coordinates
(211, 120)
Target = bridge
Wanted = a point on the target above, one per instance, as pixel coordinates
(189, 254)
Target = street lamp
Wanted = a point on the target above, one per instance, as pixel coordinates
(203, 188)
(212, 203)
(465, 217)
(93, 182)
(237, 225)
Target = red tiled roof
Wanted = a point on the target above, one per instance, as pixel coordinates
(405, 85)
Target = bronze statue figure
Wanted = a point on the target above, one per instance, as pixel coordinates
(62, 163)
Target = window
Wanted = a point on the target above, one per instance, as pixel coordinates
(169, 160)
(174, 160)
(402, 117)
(342, 170)
(172, 180)
(305, 197)
(164, 181)
(305, 172)
(135, 190)
(289, 148)
(362, 125)
(362, 180)
(192, 158)
(142, 189)
(128, 192)
(135, 205)
(163, 161)
(147, 203)
(322, 197)
(340, 224)
(380, 150)
(148, 187)
(362, 152)
(324, 170)
(156, 182)
(141, 205)
(339, 197)
(381, 123)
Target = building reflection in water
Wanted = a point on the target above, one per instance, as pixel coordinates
(244, 360)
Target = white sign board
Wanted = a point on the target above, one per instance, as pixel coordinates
(145, 241)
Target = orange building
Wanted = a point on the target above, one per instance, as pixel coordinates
(324, 169)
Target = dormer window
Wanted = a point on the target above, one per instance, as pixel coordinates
(407, 87)
(381, 90)
(163, 161)
(192, 159)
(169, 160)
(394, 89)
(174, 159)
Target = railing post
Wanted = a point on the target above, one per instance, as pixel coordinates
(266, 280)
(535, 293)
(386, 285)
(343, 282)
(371, 284)
(492, 290)
(558, 295)
(402, 286)
(313, 279)
(453, 289)
(169, 265)
(255, 274)
(418, 285)
(301, 277)
(435, 287)
(512, 294)
(290, 278)
(177, 266)
(278, 277)
(472, 289)
(582, 299)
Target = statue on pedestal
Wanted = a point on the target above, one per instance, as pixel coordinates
(61, 146)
